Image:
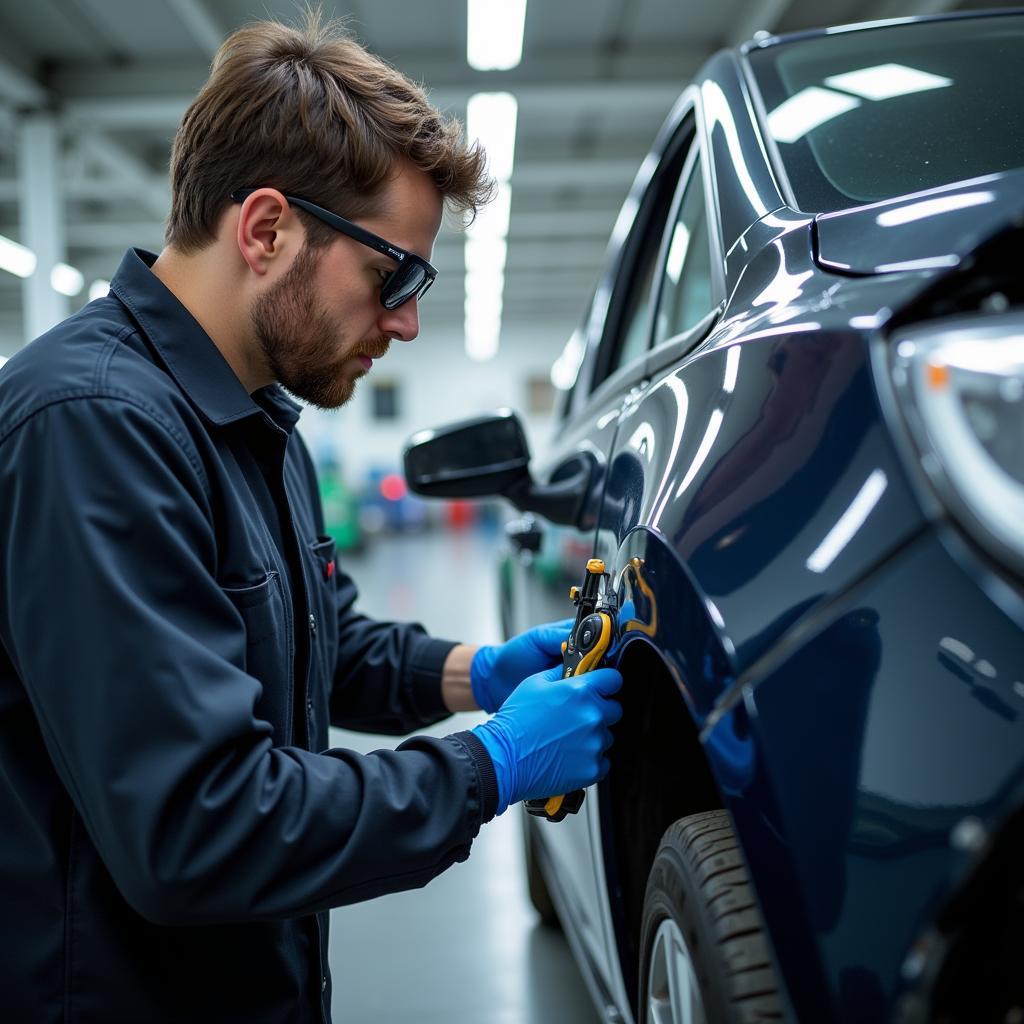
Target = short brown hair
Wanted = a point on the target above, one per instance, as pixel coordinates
(311, 112)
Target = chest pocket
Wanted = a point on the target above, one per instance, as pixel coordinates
(323, 569)
(268, 648)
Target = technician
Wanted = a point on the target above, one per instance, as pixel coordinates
(176, 633)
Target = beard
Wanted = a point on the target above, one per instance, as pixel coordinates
(300, 342)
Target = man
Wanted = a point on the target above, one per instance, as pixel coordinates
(176, 634)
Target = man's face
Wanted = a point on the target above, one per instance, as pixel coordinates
(321, 326)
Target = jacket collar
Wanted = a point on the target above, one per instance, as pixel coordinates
(188, 352)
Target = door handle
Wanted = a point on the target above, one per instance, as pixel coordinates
(524, 534)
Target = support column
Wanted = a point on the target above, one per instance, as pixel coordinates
(42, 219)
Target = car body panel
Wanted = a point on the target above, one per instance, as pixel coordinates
(857, 758)
(716, 455)
(745, 189)
(855, 670)
(931, 229)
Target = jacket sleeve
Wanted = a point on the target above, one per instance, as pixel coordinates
(113, 617)
(387, 675)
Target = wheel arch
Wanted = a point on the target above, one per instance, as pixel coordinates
(659, 773)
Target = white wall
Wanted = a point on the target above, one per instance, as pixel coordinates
(437, 383)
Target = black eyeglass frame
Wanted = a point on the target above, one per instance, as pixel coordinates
(405, 259)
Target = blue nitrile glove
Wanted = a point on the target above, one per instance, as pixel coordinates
(495, 672)
(550, 736)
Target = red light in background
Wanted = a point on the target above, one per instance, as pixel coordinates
(392, 487)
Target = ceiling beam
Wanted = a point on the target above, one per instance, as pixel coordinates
(127, 110)
(201, 24)
(561, 225)
(18, 85)
(591, 171)
(123, 113)
(437, 71)
(567, 253)
(126, 169)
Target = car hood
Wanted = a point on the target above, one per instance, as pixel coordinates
(928, 230)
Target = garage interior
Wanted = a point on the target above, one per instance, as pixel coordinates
(91, 92)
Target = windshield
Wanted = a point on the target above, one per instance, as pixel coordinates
(867, 115)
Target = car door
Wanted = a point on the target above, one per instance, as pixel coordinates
(684, 302)
(546, 559)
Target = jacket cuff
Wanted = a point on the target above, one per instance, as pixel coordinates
(423, 678)
(485, 772)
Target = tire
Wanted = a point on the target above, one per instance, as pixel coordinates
(704, 950)
(540, 897)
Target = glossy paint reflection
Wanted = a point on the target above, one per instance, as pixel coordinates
(745, 185)
(932, 229)
(757, 477)
(905, 705)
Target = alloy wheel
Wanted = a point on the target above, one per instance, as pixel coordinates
(673, 995)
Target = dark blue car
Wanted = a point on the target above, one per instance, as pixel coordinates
(792, 429)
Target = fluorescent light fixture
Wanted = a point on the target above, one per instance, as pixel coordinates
(486, 246)
(887, 80)
(481, 340)
(494, 219)
(849, 522)
(485, 253)
(494, 33)
(484, 298)
(16, 259)
(98, 289)
(491, 119)
(807, 110)
(66, 279)
(931, 208)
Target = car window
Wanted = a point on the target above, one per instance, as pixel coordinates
(628, 326)
(686, 295)
(860, 117)
(637, 325)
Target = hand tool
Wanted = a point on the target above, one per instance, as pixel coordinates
(593, 634)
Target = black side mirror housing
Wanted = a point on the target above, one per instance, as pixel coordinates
(488, 456)
(474, 458)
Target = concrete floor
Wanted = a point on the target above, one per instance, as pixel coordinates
(468, 948)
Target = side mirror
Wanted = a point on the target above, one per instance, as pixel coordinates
(488, 456)
(473, 458)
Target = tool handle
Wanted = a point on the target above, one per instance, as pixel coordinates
(586, 647)
(555, 808)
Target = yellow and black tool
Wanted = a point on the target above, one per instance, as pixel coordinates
(593, 633)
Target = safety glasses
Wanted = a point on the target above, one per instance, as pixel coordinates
(410, 279)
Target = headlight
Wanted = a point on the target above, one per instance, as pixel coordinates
(961, 385)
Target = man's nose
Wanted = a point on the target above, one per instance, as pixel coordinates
(403, 323)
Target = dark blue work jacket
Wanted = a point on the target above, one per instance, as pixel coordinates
(175, 639)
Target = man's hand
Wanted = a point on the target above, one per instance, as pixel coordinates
(552, 734)
(496, 671)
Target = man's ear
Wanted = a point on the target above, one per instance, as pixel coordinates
(267, 229)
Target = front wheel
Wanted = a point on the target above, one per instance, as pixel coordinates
(704, 951)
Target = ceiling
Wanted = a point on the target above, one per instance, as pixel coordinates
(596, 80)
